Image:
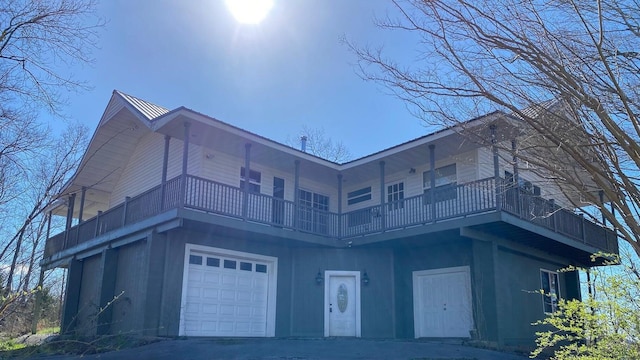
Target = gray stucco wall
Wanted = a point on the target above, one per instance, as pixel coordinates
(519, 301)
(307, 304)
(454, 252)
(172, 287)
(128, 307)
(88, 302)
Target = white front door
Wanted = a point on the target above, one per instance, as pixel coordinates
(442, 302)
(342, 303)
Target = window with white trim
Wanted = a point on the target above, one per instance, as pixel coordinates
(446, 181)
(255, 179)
(550, 290)
(395, 196)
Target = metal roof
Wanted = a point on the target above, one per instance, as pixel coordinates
(147, 109)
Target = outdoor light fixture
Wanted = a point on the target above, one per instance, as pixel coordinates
(365, 278)
(412, 171)
(319, 278)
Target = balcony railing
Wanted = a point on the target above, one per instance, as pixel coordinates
(443, 203)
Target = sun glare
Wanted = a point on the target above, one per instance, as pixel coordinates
(249, 11)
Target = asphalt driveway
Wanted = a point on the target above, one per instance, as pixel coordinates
(299, 349)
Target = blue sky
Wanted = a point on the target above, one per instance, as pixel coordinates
(290, 70)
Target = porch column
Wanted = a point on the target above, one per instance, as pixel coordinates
(516, 175)
(185, 162)
(72, 201)
(496, 167)
(604, 219)
(296, 192)
(165, 165)
(383, 215)
(339, 205)
(247, 180)
(432, 181)
(82, 196)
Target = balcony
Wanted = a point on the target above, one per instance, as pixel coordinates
(443, 204)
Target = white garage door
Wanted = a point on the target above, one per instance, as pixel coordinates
(442, 302)
(227, 293)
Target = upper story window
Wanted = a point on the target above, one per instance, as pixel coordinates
(313, 200)
(255, 178)
(358, 196)
(446, 181)
(524, 185)
(550, 290)
(395, 196)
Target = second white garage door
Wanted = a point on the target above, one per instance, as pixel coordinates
(227, 293)
(442, 302)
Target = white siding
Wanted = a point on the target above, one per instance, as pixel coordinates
(143, 171)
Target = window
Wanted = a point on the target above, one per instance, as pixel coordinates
(550, 290)
(214, 262)
(526, 186)
(359, 196)
(313, 211)
(395, 196)
(254, 180)
(229, 264)
(446, 184)
(195, 259)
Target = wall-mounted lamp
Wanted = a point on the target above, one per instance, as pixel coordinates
(365, 278)
(412, 171)
(319, 278)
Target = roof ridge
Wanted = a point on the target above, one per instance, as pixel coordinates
(147, 109)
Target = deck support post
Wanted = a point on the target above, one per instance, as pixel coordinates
(432, 181)
(496, 167)
(296, 193)
(185, 163)
(247, 180)
(165, 165)
(383, 215)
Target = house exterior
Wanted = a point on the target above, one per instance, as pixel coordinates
(183, 225)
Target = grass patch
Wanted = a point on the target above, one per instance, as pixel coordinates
(77, 346)
(49, 330)
(10, 345)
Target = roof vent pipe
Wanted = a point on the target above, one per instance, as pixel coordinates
(303, 143)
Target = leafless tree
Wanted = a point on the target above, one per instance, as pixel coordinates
(40, 41)
(317, 143)
(564, 73)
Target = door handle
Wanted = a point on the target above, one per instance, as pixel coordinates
(330, 308)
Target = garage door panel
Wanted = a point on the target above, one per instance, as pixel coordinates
(442, 302)
(226, 296)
